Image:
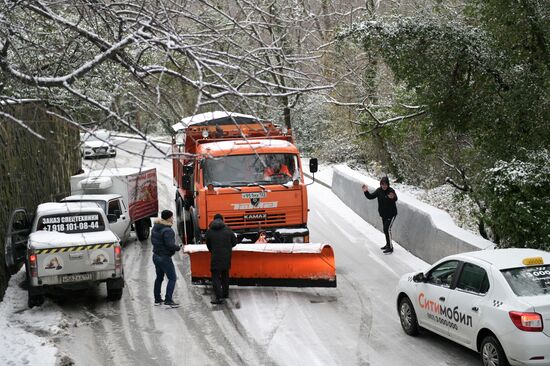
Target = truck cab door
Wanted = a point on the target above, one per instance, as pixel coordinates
(122, 225)
(15, 246)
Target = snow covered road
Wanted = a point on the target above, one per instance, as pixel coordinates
(353, 324)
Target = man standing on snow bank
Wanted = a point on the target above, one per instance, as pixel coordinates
(163, 239)
(220, 241)
(386, 208)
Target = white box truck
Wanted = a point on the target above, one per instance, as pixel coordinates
(129, 193)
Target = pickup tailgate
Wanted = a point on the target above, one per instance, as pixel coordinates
(66, 255)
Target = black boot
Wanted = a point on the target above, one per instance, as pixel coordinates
(389, 250)
(385, 247)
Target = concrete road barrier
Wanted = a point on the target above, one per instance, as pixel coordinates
(427, 232)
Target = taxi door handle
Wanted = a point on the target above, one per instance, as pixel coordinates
(441, 298)
(475, 308)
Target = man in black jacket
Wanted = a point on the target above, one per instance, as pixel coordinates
(220, 241)
(163, 239)
(386, 208)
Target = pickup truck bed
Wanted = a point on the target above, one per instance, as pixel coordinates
(73, 258)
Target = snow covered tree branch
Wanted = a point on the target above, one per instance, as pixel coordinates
(150, 55)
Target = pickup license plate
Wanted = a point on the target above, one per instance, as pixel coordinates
(77, 277)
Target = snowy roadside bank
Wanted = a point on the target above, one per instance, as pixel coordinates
(26, 334)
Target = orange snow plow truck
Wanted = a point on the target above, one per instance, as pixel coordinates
(249, 171)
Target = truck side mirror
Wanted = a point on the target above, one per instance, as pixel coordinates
(111, 218)
(186, 179)
(313, 165)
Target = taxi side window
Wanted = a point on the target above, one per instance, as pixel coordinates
(473, 279)
(443, 274)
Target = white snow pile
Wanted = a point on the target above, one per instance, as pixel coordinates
(25, 333)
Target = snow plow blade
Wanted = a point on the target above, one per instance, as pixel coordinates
(288, 265)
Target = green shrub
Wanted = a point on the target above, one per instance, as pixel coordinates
(517, 195)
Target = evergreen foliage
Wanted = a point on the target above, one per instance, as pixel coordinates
(517, 196)
(482, 75)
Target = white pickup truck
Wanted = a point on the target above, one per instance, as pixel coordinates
(67, 245)
(111, 204)
(128, 193)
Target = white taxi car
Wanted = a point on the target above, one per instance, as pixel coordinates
(496, 302)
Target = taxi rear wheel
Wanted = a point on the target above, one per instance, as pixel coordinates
(492, 353)
(407, 316)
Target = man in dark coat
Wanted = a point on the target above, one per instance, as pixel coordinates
(387, 208)
(163, 239)
(220, 241)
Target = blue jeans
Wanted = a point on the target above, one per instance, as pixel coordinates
(164, 266)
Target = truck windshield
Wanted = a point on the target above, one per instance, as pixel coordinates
(242, 170)
(101, 204)
(70, 223)
(529, 281)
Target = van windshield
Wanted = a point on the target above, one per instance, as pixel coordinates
(529, 281)
(242, 170)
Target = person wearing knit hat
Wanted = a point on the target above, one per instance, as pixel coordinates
(387, 209)
(163, 239)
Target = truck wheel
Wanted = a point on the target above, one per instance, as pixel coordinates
(179, 220)
(191, 238)
(114, 294)
(142, 229)
(35, 300)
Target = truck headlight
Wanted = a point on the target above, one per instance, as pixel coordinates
(298, 239)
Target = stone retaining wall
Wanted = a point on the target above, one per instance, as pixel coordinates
(31, 170)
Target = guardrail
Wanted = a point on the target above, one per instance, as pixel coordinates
(425, 231)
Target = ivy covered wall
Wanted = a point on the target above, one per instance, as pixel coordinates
(32, 170)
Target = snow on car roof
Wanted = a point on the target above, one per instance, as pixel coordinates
(508, 258)
(234, 146)
(113, 172)
(213, 117)
(265, 248)
(91, 197)
(47, 239)
(53, 208)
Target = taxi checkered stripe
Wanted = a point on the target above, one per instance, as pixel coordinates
(497, 303)
(73, 249)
